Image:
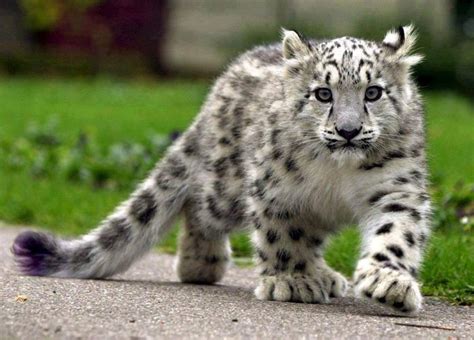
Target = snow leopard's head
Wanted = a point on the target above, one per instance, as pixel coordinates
(353, 94)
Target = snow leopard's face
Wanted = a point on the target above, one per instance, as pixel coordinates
(353, 89)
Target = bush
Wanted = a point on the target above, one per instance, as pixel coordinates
(118, 166)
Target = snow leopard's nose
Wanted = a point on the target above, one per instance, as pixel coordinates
(349, 133)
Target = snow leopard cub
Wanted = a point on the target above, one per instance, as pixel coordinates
(297, 140)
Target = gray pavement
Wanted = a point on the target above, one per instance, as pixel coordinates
(148, 302)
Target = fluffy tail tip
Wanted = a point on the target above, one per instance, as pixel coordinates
(36, 253)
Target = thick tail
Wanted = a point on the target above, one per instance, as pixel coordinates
(134, 227)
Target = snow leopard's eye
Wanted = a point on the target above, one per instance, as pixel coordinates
(373, 93)
(323, 95)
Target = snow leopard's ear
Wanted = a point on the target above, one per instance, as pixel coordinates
(294, 45)
(398, 44)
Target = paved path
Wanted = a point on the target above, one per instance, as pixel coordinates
(147, 302)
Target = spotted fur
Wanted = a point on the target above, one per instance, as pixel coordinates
(268, 151)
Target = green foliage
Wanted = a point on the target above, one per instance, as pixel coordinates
(117, 166)
(455, 207)
(343, 250)
(448, 269)
(44, 14)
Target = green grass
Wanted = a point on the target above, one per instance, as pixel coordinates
(113, 112)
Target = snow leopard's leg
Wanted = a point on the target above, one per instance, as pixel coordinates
(204, 252)
(201, 258)
(291, 263)
(125, 235)
(394, 236)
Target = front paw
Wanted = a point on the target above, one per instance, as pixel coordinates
(301, 288)
(388, 286)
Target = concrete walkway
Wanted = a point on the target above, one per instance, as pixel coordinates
(148, 302)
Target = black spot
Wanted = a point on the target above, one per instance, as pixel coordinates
(395, 250)
(413, 272)
(401, 180)
(176, 167)
(218, 187)
(371, 166)
(394, 155)
(415, 214)
(381, 299)
(262, 255)
(220, 166)
(82, 256)
(162, 181)
(394, 207)
(280, 214)
(294, 69)
(236, 210)
(300, 105)
(274, 136)
(211, 259)
(423, 197)
(359, 279)
(257, 224)
(115, 235)
(213, 208)
(276, 154)
(315, 242)
(224, 141)
(417, 175)
(369, 77)
(235, 157)
(235, 131)
(272, 290)
(401, 265)
(381, 257)
(290, 165)
(389, 265)
(328, 78)
(377, 196)
(190, 147)
(415, 152)
(144, 207)
(259, 188)
(399, 305)
(238, 111)
(385, 229)
(395, 103)
(368, 294)
(224, 108)
(422, 238)
(268, 174)
(300, 266)
(296, 233)
(376, 280)
(272, 236)
(283, 255)
(409, 238)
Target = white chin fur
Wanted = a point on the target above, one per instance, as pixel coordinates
(352, 157)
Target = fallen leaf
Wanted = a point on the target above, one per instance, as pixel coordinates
(21, 298)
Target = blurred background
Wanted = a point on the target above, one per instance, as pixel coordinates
(133, 38)
(92, 92)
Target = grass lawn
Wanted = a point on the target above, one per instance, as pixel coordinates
(113, 112)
